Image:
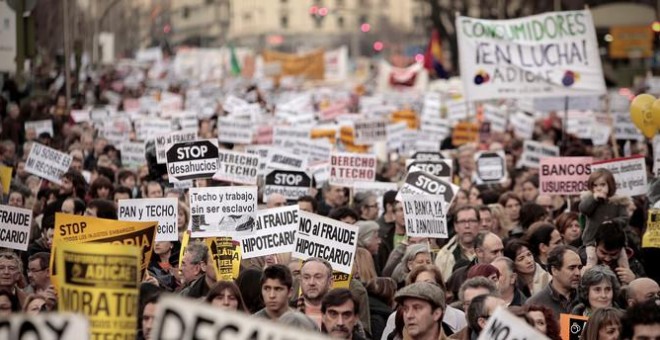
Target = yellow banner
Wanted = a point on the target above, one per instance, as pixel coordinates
(226, 257)
(84, 229)
(310, 66)
(464, 132)
(631, 42)
(5, 178)
(101, 282)
(651, 238)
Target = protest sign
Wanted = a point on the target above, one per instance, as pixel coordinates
(421, 182)
(491, 167)
(5, 178)
(84, 229)
(222, 211)
(15, 226)
(435, 127)
(432, 105)
(290, 184)
(321, 173)
(80, 116)
(164, 142)
(523, 125)
(564, 175)
(457, 110)
(237, 131)
(536, 56)
(101, 282)
(152, 127)
(274, 232)
(367, 132)
(225, 257)
(428, 156)
(47, 163)
(40, 126)
(132, 155)
(45, 326)
(571, 326)
(425, 215)
(192, 160)
(315, 151)
(600, 133)
(395, 134)
(237, 167)
(651, 237)
(497, 116)
(624, 128)
(440, 168)
(163, 210)
(580, 124)
(503, 325)
(629, 174)
(288, 134)
(534, 151)
(187, 319)
(464, 132)
(329, 239)
(347, 168)
(281, 159)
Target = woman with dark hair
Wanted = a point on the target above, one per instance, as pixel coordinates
(248, 281)
(531, 276)
(604, 324)
(530, 188)
(101, 188)
(569, 228)
(597, 289)
(512, 204)
(9, 303)
(381, 292)
(530, 213)
(543, 320)
(226, 295)
(542, 237)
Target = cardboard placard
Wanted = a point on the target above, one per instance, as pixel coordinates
(281, 159)
(101, 282)
(420, 182)
(439, 168)
(237, 167)
(491, 167)
(571, 326)
(465, 132)
(165, 211)
(179, 318)
(629, 174)
(329, 239)
(651, 237)
(274, 232)
(371, 131)
(497, 116)
(290, 184)
(425, 215)
(428, 156)
(237, 131)
(5, 178)
(225, 257)
(347, 168)
(534, 151)
(506, 326)
(47, 163)
(288, 134)
(45, 326)
(133, 155)
(40, 126)
(15, 226)
(222, 211)
(192, 160)
(523, 125)
(564, 175)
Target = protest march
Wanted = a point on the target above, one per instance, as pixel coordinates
(186, 192)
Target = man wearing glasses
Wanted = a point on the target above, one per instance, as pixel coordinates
(459, 251)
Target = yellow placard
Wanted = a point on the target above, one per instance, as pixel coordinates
(101, 282)
(310, 65)
(5, 178)
(651, 238)
(226, 257)
(571, 326)
(185, 240)
(631, 42)
(83, 229)
(341, 280)
(465, 132)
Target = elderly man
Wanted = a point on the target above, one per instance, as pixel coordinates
(315, 281)
(197, 277)
(487, 247)
(275, 200)
(642, 290)
(480, 309)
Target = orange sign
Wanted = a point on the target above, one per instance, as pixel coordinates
(465, 132)
(571, 326)
(631, 42)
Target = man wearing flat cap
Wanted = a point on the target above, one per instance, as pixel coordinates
(423, 305)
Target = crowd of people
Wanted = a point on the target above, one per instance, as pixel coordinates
(537, 255)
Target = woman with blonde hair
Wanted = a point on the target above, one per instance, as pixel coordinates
(364, 269)
(501, 222)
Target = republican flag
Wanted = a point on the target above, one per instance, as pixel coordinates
(433, 56)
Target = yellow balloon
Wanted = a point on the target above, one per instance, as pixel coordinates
(655, 113)
(640, 114)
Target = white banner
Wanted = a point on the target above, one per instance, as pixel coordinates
(222, 211)
(187, 319)
(45, 326)
(546, 55)
(47, 163)
(237, 167)
(15, 226)
(274, 232)
(328, 239)
(425, 215)
(629, 174)
(163, 210)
